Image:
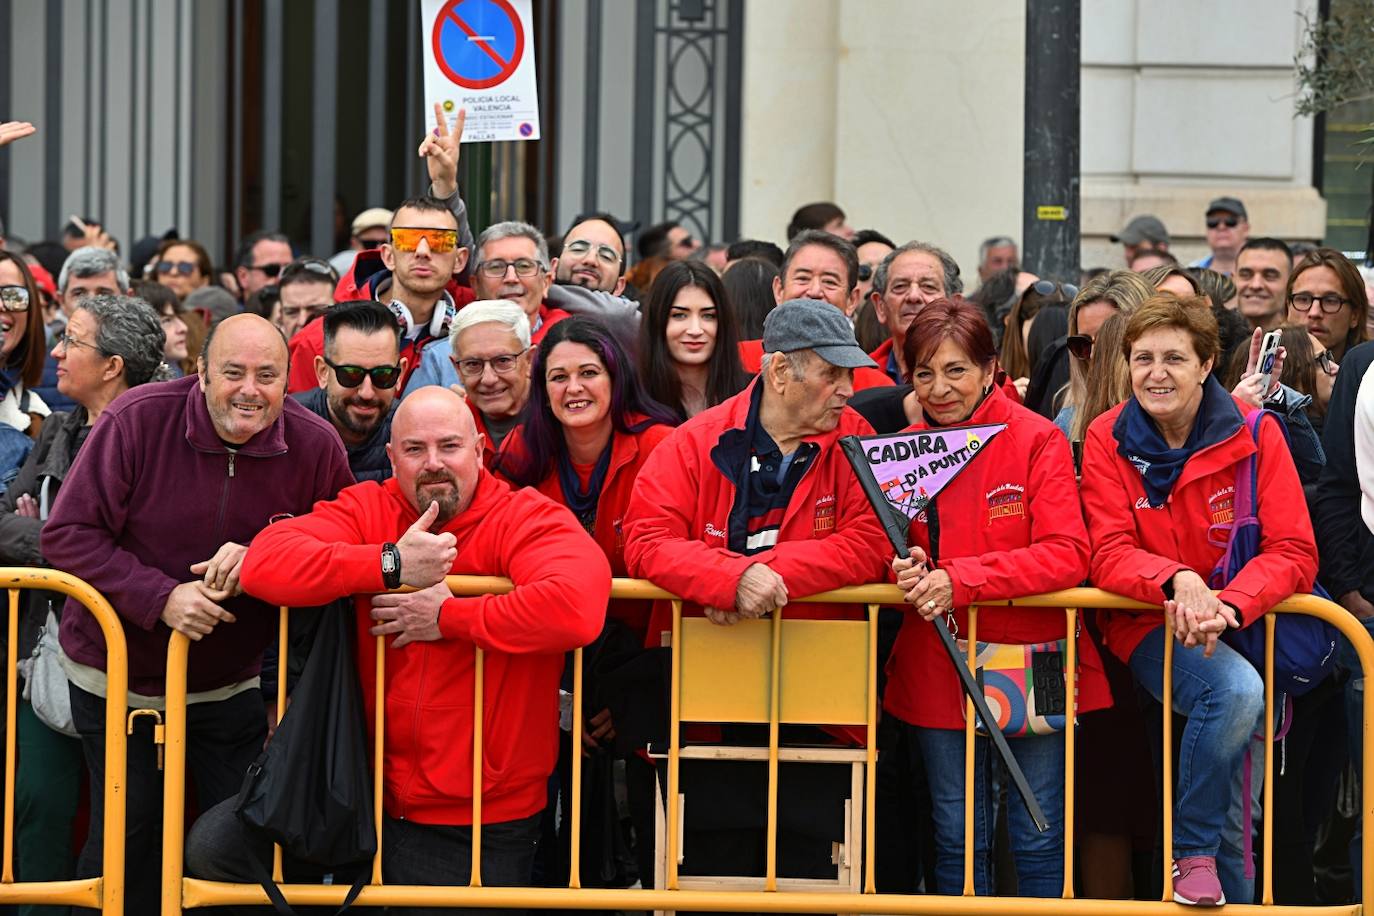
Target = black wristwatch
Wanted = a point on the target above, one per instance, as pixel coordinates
(391, 566)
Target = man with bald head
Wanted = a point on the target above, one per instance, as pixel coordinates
(442, 513)
(172, 483)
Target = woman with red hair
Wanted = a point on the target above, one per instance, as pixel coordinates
(1012, 526)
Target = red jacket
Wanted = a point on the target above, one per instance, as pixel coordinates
(1136, 549)
(629, 451)
(679, 515)
(1010, 525)
(751, 357)
(562, 583)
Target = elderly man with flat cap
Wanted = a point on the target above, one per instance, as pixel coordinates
(744, 508)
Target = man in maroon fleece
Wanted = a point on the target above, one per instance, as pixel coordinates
(173, 481)
(444, 513)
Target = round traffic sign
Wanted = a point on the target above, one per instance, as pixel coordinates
(478, 43)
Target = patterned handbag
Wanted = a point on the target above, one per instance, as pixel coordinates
(1025, 686)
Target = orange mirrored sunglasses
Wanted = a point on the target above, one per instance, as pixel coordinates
(407, 238)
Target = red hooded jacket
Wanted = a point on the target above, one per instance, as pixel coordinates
(1136, 550)
(629, 451)
(1009, 525)
(562, 583)
(679, 515)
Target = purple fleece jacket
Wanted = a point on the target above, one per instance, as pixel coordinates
(154, 490)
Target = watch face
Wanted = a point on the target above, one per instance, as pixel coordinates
(388, 561)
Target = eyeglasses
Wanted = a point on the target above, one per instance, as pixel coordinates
(865, 273)
(371, 243)
(1216, 222)
(502, 365)
(1330, 302)
(1080, 346)
(604, 253)
(271, 271)
(14, 299)
(185, 268)
(316, 266)
(407, 238)
(496, 269)
(685, 242)
(1048, 287)
(383, 377)
(1326, 361)
(67, 341)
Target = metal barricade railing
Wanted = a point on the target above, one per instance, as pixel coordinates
(181, 892)
(105, 892)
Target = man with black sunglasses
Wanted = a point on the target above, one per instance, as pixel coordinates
(1228, 229)
(358, 375)
(259, 261)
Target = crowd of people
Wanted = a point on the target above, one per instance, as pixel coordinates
(203, 445)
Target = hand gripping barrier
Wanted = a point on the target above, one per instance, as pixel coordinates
(105, 892)
(785, 699)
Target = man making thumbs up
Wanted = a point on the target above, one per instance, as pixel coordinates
(443, 513)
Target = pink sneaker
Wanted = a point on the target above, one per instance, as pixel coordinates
(1196, 883)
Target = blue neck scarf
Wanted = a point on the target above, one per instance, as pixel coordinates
(1140, 442)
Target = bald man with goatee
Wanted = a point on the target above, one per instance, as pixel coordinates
(173, 483)
(442, 513)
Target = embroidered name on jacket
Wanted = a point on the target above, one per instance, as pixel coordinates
(1006, 500)
(1221, 505)
(825, 515)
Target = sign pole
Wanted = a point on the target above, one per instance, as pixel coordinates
(853, 450)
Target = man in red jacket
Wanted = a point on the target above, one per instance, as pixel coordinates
(443, 513)
(745, 507)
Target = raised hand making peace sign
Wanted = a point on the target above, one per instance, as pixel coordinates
(440, 150)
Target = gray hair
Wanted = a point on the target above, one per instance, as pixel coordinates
(130, 328)
(495, 311)
(513, 229)
(92, 262)
(798, 361)
(997, 241)
(953, 284)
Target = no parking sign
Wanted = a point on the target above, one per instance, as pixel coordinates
(479, 55)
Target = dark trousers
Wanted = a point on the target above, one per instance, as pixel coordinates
(46, 792)
(222, 739)
(219, 848)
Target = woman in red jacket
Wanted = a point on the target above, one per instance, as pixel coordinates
(1159, 478)
(585, 432)
(1008, 524)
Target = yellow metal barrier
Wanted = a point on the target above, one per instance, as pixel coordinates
(106, 892)
(180, 892)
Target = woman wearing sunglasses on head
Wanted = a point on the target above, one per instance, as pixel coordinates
(183, 266)
(1015, 356)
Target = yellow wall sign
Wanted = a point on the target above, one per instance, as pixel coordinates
(1055, 213)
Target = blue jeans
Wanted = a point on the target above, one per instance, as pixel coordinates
(1039, 856)
(1223, 698)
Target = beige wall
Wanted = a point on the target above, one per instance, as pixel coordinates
(908, 114)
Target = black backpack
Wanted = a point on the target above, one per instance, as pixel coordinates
(311, 789)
